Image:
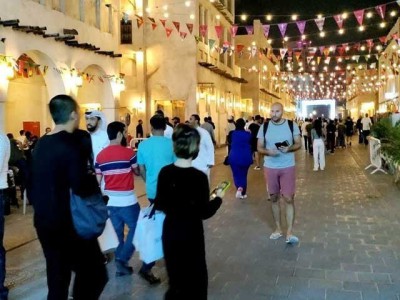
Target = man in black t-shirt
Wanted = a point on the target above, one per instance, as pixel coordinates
(59, 167)
(254, 127)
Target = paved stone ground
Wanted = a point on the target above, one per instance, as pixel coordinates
(347, 222)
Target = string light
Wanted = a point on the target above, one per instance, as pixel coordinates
(322, 34)
(243, 17)
(269, 17)
(294, 17)
(361, 28)
(369, 15)
(341, 31)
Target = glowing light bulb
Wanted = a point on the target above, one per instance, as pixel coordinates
(369, 15)
(243, 17)
(322, 34)
(294, 17)
(382, 25)
(361, 28)
(341, 31)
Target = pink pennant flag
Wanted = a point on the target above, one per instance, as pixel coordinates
(333, 49)
(339, 21)
(218, 30)
(266, 30)
(163, 22)
(282, 28)
(301, 25)
(283, 51)
(359, 14)
(249, 30)
(370, 43)
(381, 9)
(203, 30)
(234, 30)
(320, 23)
(321, 49)
(182, 35)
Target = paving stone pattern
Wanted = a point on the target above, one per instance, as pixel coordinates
(346, 219)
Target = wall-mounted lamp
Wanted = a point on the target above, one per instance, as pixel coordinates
(6, 71)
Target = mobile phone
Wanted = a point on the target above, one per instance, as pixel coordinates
(282, 144)
(223, 186)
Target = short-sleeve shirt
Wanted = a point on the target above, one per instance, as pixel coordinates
(116, 164)
(366, 123)
(155, 153)
(278, 133)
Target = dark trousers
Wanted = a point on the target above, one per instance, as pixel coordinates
(3, 289)
(64, 253)
(331, 142)
(305, 142)
(240, 176)
(310, 144)
(365, 135)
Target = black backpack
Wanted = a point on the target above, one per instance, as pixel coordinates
(265, 128)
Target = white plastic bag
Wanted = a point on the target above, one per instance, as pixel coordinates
(148, 235)
(108, 240)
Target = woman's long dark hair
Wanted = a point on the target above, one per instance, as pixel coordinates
(318, 127)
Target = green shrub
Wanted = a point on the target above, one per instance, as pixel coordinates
(389, 136)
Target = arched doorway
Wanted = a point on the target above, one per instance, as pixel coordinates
(95, 93)
(35, 82)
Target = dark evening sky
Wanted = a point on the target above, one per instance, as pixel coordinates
(281, 10)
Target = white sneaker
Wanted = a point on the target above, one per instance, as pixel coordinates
(243, 197)
(315, 169)
(239, 193)
(257, 168)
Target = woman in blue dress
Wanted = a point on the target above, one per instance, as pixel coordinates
(240, 157)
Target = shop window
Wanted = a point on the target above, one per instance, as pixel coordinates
(126, 32)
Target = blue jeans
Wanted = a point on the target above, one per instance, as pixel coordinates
(3, 289)
(121, 216)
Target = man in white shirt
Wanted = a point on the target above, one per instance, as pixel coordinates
(96, 124)
(4, 157)
(366, 128)
(168, 130)
(205, 158)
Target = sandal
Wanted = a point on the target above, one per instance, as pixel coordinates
(275, 235)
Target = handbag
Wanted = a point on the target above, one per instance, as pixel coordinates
(148, 234)
(108, 240)
(89, 215)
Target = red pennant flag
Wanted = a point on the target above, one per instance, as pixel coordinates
(203, 30)
(357, 46)
(189, 27)
(163, 22)
(234, 30)
(282, 28)
(218, 30)
(239, 48)
(168, 31)
(182, 35)
(266, 30)
(341, 50)
(153, 25)
(382, 39)
(249, 30)
(370, 43)
(320, 23)
(177, 25)
(359, 14)
(139, 22)
(339, 21)
(345, 45)
(301, 25)
(381, 9)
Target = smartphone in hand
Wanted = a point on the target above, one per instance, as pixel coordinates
(222, 186)
(282, 144)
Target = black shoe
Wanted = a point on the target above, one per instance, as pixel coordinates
(123, 269)
(149, 277)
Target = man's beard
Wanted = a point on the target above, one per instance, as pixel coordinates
(124, 142)
(91, 128)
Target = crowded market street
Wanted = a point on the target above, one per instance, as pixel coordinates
(347, 223)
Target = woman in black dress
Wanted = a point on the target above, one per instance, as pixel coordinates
(183, 195)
